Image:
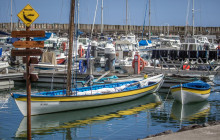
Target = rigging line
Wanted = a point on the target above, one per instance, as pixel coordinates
(61, 13)
(14, 8)
(187, 17)
(144, 20)
(94, 17)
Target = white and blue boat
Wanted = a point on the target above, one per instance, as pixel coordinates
(87, 97)
(196, 91)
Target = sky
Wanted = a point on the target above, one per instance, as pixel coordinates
(163, 12)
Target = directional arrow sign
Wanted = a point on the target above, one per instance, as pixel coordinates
(29, 52)
(28, 34)
(28, 15)
(28, 44)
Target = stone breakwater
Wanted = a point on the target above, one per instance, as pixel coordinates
(186, 128)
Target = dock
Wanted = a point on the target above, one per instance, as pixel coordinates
(205, 133)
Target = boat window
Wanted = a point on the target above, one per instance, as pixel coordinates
(184, 47)
(192, 47)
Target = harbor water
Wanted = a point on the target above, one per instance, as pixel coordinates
(131, 120)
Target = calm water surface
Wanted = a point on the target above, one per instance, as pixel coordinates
(132, 120)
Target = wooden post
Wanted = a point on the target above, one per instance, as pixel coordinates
(28, 87)
(71, 28)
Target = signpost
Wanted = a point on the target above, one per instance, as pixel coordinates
(28, 15)
(28, 44)
(28, 34)
(27, 52)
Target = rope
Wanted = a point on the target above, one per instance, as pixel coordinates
(144, 21)
(94, 18)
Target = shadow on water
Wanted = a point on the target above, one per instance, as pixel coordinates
(48, 123)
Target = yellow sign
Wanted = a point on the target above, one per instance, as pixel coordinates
(28, 15)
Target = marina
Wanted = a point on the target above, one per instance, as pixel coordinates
(70, 80)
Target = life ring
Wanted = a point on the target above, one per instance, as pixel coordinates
(142, 64)
(63, 45)
(81, 51)
(186, 67)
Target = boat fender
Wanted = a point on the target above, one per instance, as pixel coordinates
(81, 51)
(82, 66)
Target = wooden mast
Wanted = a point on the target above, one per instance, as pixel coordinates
(71, 28)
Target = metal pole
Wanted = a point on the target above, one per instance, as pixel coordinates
(193, 18)
(126, 17)
(11, 16)
(149, 21)
(71, 28)
(28, 87)
(78, 14)
(102, 18)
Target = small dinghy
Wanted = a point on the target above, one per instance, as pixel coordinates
(196, 91)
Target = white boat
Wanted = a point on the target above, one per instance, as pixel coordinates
(56, 121)
(196, 91)
(87, 97)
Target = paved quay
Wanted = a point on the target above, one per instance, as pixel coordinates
(205, 133)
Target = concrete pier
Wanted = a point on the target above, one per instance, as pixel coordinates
(205, 133)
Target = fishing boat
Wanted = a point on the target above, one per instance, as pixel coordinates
(42, 124)
(191, 92)
(87, 97)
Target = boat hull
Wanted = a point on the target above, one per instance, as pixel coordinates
(187, 95)
(44, 105)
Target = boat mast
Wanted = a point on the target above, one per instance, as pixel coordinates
(149, 21)
(193, 19)
(126, 17)
(78, 13)
(69, 68)
(11, 15)
(102, 18)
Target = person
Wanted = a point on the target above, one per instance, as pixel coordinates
(218, 49)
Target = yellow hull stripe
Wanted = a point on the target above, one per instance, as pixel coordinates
(192, 90)
(90, 97)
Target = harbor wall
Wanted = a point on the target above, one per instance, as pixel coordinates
(114, 29)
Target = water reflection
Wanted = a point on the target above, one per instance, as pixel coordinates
(4, 99)
(45, 124)
(190, 112)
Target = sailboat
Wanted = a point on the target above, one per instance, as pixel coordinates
(87, 97)
(42, 124)
(144, 43)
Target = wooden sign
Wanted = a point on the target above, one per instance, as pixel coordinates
(28, 34)
(29, 52)
(28, 15)
(28, 44)
(33, 60)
